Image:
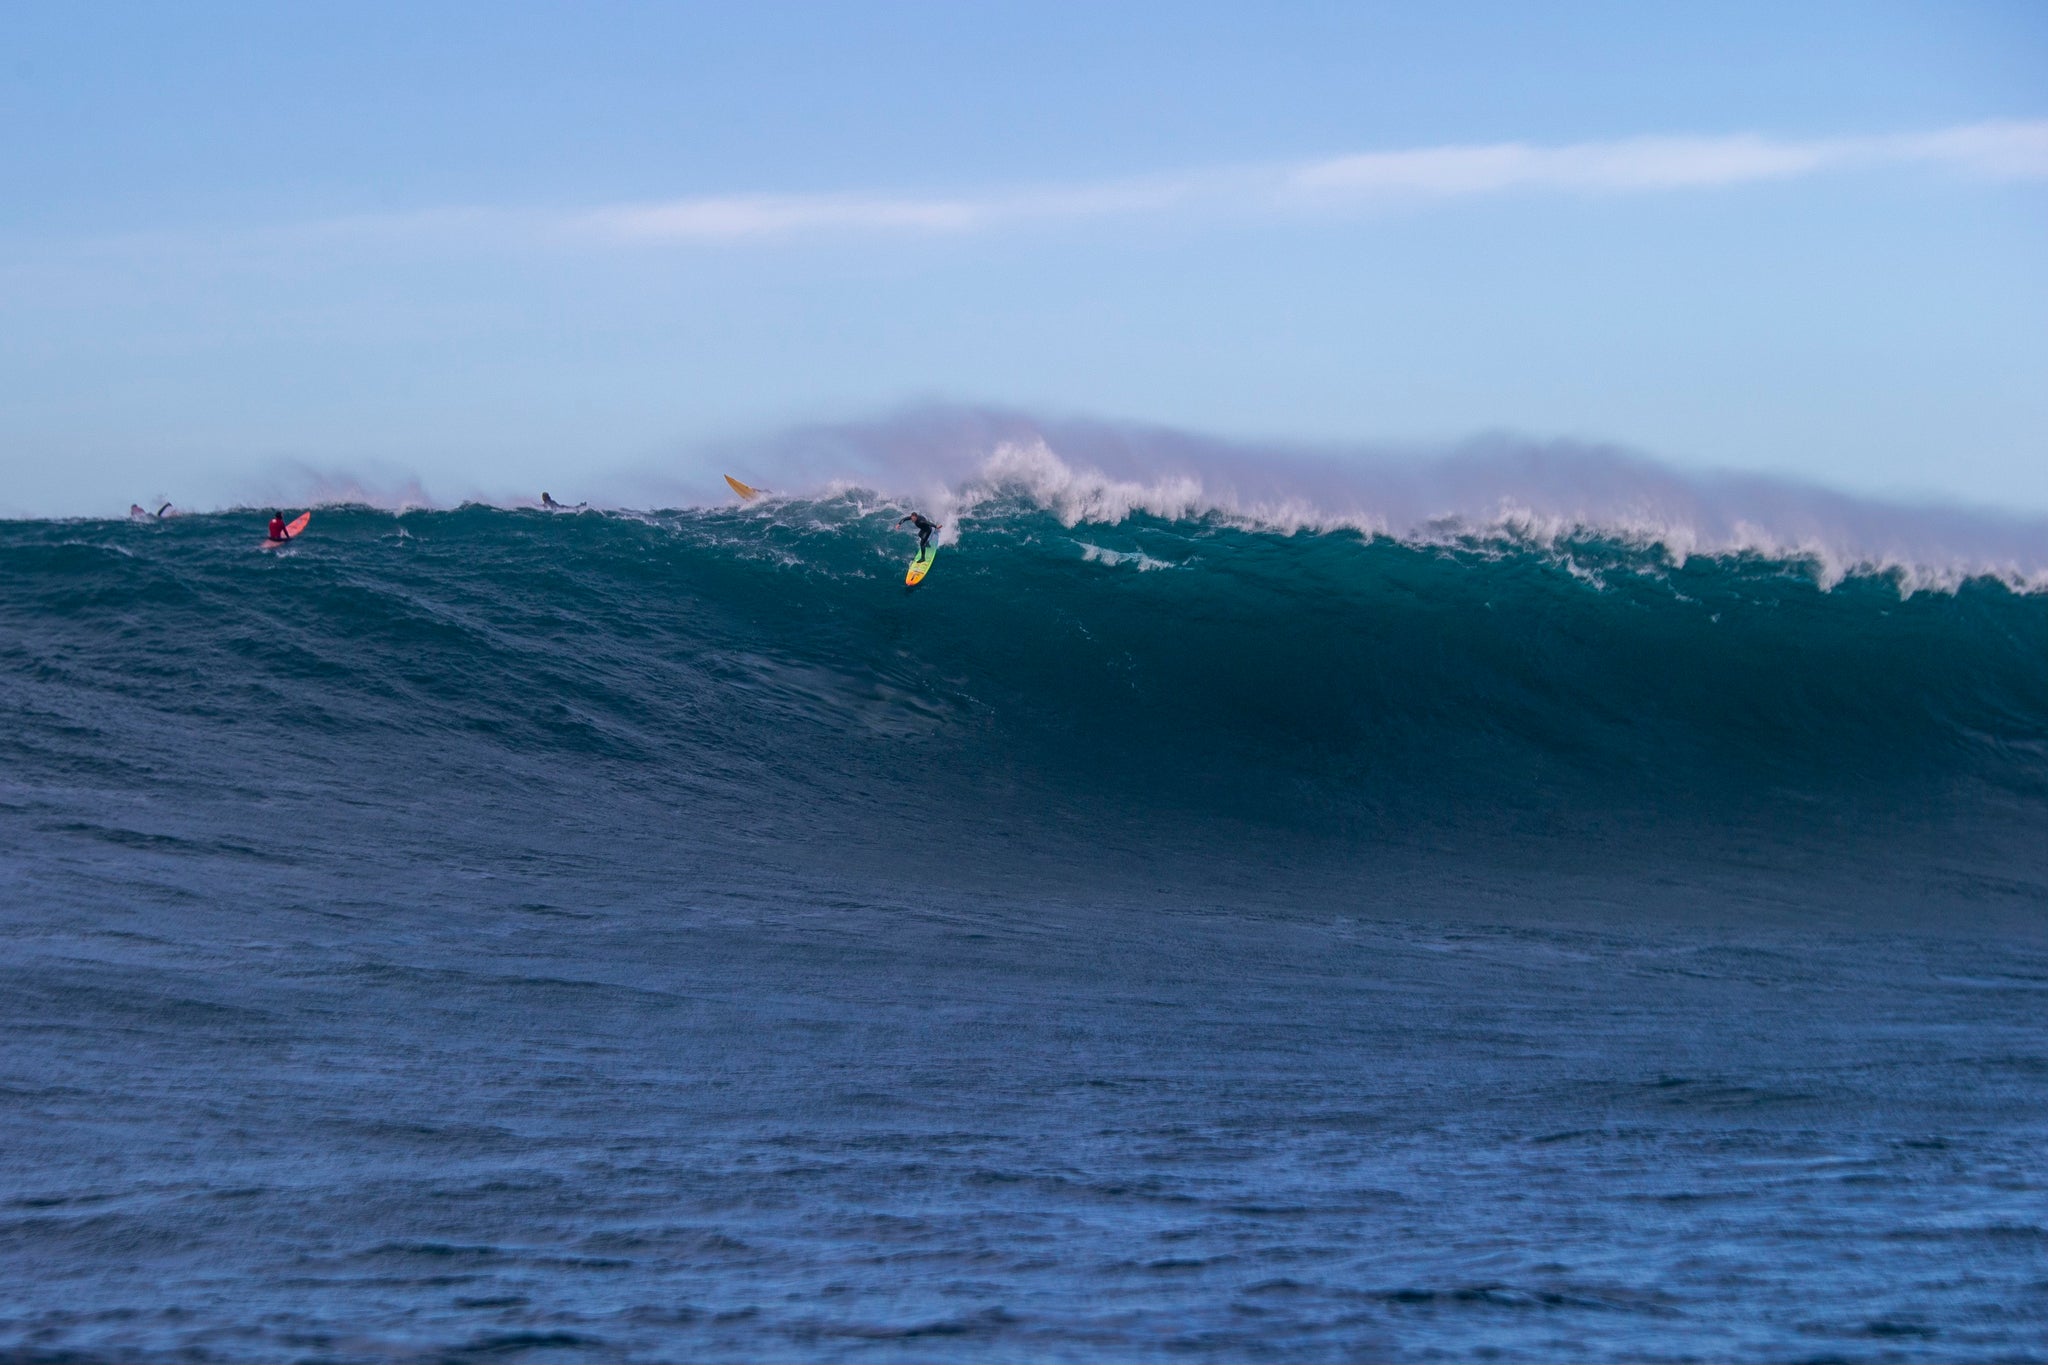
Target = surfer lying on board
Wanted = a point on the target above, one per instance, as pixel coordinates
(924, 530)
(277, 530)
(550, 505)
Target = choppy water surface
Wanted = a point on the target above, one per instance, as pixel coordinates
(487, 935)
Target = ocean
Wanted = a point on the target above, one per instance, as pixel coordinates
(1169, 933)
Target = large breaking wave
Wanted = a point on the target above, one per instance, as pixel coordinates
(1109, 669)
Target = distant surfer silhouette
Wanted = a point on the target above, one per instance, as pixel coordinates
(137, 512)
(551, 505)
(925, 528)
(278, 533)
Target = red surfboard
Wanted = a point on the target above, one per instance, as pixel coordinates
(298, 524)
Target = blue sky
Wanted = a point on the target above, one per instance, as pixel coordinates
(503, 247)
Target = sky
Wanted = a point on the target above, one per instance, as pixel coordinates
(502, 247)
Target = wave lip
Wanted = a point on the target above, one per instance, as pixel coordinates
(1545, 499)
(1498, 489)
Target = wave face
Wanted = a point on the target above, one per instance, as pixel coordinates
(1072, 683)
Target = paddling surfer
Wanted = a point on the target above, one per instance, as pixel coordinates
(925, 527)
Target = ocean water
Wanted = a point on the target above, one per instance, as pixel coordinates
(1168, 934)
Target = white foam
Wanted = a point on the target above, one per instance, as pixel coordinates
(1545, 496)
(1096, 554)
(955, 464)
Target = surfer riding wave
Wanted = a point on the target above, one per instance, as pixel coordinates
(925, 527)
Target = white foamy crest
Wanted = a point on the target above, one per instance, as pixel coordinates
(1075, 496)
(1549, 497)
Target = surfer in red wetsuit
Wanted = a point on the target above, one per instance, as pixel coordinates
(277, 531)
(924, 530)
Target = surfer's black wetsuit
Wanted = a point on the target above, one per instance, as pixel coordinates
(924, 530)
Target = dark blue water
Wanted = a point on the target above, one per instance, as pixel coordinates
(483, 935)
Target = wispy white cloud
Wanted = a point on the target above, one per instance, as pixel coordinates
(1329, 187)
(724, 217)
(1655, 163)
(731, 217)
(2002, 150)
